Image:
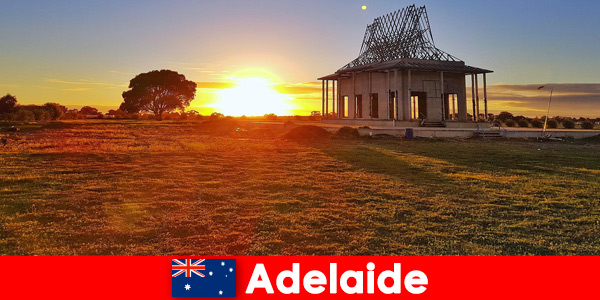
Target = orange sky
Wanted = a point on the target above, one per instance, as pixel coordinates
(81, 53)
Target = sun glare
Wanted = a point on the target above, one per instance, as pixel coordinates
(252, 97)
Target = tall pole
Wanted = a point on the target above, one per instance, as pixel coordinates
(548, 113)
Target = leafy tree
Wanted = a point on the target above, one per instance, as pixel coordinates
(8, 104)
(25, 115)
(41, 114)
(88, 110)
(158, 92)
(505, 116)
(216, 116)
(56, 110)
(271, 117)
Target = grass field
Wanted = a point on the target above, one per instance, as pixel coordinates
(170, 188)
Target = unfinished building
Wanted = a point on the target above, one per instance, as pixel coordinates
(401, 78)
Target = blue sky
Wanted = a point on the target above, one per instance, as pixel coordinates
(80, 52)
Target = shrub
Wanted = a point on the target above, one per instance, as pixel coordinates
(587, 125)
(497, 121)
(536, 123)
(510, 123)
(568, 124)
(552, 123)
(523, 123)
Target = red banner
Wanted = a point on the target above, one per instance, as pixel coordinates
(320, 277)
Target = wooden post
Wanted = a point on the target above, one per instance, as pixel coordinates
(473, 95)
(485, 96)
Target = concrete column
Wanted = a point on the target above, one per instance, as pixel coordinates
(477, 94)
(398, 105)
(462, 100)
(369, 98)
(389, 93)
(333, 95)
(323, 98)
(443, 102)
(408, 93)
(327, 99)
(485, 96)
(354, 93)
(473, 96)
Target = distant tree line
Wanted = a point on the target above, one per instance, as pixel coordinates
(509, 120)
(10, 110)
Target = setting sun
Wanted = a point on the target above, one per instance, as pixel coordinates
(252, 96)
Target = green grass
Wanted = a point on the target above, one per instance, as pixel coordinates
(172, 188)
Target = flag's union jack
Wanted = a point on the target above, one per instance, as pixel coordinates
(188, 267)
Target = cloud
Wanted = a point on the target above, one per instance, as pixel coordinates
(299, 88)
(77, 90)
(214, 85)
(83, 82)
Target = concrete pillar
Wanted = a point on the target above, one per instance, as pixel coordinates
(354, 94)
(408, 93)
(398, 105)
(485, 96)
(443, 102)
(389, 93)
(327, 99)
(477, 94)
(333, 95)
(369, 98)
(473, 96)
(462, 100)
(323, 98)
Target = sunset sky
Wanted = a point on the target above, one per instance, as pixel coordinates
(85, 52)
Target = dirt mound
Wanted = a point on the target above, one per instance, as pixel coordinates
(307, 133)
(220, 126)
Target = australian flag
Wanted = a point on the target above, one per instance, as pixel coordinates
(203, 277)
